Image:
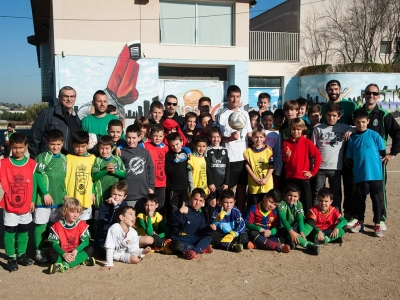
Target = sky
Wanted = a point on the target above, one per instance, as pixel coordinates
(19, 70)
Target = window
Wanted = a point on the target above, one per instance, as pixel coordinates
(386, 47)
(265, 82)
(196, 23)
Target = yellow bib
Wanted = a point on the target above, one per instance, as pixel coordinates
(198, 164)
(78, 180)
(259, 164)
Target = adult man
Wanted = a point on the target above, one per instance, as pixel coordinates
(236, 143)
(97, 122)
(382, 122)
(61, 116)
(171, 104)
(333, 89)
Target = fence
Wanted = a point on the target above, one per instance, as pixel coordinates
(274, 46)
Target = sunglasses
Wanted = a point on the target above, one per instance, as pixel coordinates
(173, 104)
(368, 93)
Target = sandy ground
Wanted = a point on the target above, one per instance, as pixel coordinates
(363, 267)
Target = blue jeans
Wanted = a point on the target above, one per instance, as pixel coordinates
(190, 242)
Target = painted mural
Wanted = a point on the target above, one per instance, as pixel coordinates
(131, 83)
(275, 93)
(312, 88)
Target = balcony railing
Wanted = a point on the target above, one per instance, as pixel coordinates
(274, 46)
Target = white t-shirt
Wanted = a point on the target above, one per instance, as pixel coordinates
(122, 242)
(235, 148)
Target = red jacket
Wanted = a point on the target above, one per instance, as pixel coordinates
(299, 159)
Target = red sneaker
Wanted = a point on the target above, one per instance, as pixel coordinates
(285, 248)
(189, 255)
(208, 249)
(251, 245)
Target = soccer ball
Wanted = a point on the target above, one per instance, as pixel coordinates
(92, 140)
(237, 120)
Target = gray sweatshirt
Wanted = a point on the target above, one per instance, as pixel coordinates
(139, 172)
(329, 141)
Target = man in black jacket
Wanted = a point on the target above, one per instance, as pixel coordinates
(61, 117)
(171, 105)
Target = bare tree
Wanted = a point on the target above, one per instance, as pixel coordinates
(353, 30)
(315, 43)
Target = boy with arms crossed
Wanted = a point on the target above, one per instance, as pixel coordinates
(78, 179)
(50, 177)
(18, 182)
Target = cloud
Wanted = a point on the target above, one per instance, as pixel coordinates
(89, 62)
(67, 73)
(91, 72)
(149, 71)
(275, 93)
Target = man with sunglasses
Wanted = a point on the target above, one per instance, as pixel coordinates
(383, 122)
(171, 105)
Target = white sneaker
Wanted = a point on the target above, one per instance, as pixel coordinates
(352, 222)
(357, 227)
(40, 257)
(378, 231)
(383, 226)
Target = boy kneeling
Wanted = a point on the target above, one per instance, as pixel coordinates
(189, 233)
(229, 228)
(69, 239)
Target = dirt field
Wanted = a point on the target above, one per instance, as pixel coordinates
(363, 267)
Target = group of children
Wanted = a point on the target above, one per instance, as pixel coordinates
(164, 187)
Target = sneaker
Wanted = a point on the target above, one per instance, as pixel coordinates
(236, 248)
(58, 267)
(285, 248)
(189, 255)
(357, 227)
(40, 256)
(12, 264)
(351, 223)
(208, 249)
(292, 245)
(339, 240)
(378, 231)
(167, 247)
(251, 245)
(90, 262)
(313, 249)
(24, 260)
(383, 226)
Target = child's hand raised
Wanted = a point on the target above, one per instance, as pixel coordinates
(288, 152)
(184, 209)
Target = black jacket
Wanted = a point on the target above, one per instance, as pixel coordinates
(177, 118)
(384, 123)
(50, 118)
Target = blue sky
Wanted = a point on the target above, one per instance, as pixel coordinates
(19, 71)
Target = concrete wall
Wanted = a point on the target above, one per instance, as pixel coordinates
(75, 35)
